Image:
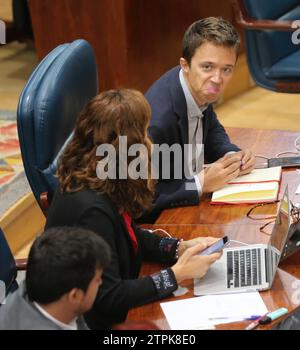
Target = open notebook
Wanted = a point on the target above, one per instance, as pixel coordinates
(261, 185)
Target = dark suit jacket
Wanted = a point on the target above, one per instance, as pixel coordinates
(169, 124)
(121, 288)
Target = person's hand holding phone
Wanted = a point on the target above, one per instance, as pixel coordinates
(208, 241)
(192, 265)
(215, 247)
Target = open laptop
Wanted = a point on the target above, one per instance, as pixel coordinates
(250, 267)
(292, 243)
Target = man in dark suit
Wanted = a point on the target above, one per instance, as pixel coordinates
(182, 114)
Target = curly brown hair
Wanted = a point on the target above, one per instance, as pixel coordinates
(107, 116)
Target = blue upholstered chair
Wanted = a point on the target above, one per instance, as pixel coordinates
(64, 81)
(273, 59)
(8, 268)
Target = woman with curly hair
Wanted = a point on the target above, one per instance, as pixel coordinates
(95, 194)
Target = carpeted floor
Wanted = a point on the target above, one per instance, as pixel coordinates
(262, 109)
(13, 182)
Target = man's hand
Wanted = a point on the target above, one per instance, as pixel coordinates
(218, 174)
(247, 163)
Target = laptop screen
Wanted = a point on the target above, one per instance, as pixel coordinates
(280, 232)
(282, 224)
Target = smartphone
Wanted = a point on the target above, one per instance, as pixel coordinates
(216, 247)
(285, 162)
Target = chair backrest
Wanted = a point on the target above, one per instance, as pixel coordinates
(272, 56)
(8, 269)
(48, 108)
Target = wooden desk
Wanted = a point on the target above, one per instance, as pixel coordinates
(263, 142)
(231, 220)
(285, 290)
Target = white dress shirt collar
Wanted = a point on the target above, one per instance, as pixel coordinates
(72, 326)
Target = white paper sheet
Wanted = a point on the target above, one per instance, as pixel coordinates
(206, 311)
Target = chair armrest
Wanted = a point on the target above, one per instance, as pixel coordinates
(21, 264)
(251, 23)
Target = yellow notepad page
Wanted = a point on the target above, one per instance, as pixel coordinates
(261, 185)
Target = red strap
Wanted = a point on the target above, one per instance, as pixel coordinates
(128, 220)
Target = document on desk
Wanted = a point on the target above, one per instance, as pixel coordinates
(206, 311)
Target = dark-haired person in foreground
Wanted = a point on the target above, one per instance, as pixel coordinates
(182, 114)
(94, 195)
(63, 277)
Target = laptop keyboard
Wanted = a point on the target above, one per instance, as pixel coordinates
(243, 268)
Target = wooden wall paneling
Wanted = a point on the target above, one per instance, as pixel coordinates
(102, 23)
(135, 41)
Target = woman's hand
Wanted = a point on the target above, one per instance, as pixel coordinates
(192, 242)
(191, 265)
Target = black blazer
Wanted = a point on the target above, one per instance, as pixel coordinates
(121, 288)
(169, 124)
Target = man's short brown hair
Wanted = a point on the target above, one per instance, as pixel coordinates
(215, 30)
